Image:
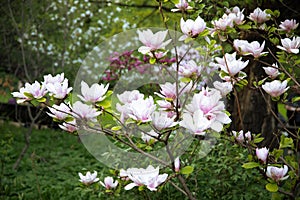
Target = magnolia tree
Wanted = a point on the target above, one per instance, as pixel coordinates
(153, 137)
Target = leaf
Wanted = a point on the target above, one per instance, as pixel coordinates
(272, 187)
(258, 140)
(250, 165)
(152, 61)
(116, 128)
(187, 170)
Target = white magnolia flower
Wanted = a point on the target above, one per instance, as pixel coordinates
(93, 94)
(89, 178)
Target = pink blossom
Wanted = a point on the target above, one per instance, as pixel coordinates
(224, 87)
(152, 41)
(151, 135)
(275, 88)
(188, 68)
(129, 96)
(196, 122)
(239, 136)
(69, 126)
(223, 23)
(60, 112)
(276, 173)
(246, 48)
(93, 94)
(236, 15)
(230, 64)
(272, 72)
(30, 91)
(59, 78)
(183, 5)
(84, 111)
(191, 28)
(58, 90)
(290, 46)
(259, 16)
(262, 154)
(89, 178)
(168, 90)
(149, 177)
(177, 164)
(141, 109)
(288, 25)
(160, 121)
(109, 183)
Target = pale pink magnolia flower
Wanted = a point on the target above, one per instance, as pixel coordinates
(166, 106)
(59, 78)
(129, 96)
(191, 28)
(89, 178)
(188, 68)
(272, 72)
(262, 154)
(151, 135)
(84, 111)
(236, 15)
(239, 136)
(230, 64)
(141, 109)
(168, 90)
(246, 48)
(160, 120)
(177, 164)
(148, 177)
(60, 112)
(70, 126)
(152, 41)
(259, 16)
(276, 173)
(224, 87)
(275, 88)
(93, 94)
(183, 5)
(288, 25)
(29, 92)
(58, 90)
(209, 102)
(109, 183)
(196, 122)
(223, 23)
(290, 46)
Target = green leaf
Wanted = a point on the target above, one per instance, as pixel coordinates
(152, 61)
(116, 128)
(187, 170)
(258, 140)
(185, 80)
(250, 165)
(41, 100)
(272, 187)
(105, 103)
(245, 26)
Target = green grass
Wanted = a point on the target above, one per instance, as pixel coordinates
(50, 169)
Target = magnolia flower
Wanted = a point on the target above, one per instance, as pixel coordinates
(196, 122)
(149, 177)
(84, 111)
(69, 126)
(93, 94)
(191, 28)
(236, 15)
(60, 112)
(177, 164)
(272, 72)
(209, 102)
(275, 88)
(230, 64)
(58, 90)
(59, 78)
(88, 178)
(168, 90)
(223, 23)
(288, 25)
(109, 183)
(129, 96)
(160, 120)
(290, 46)
(29, 92)
(224, 87)
(183, 5)
(188, 68)
(262, 154)
(146, 137)
(141, 109)
(239, 136)
(276, 173)
(152, 41)
(246, 48)
(259, 16)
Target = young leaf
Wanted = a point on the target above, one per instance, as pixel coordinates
(187, 170)
(272, 187)
(250, 165)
